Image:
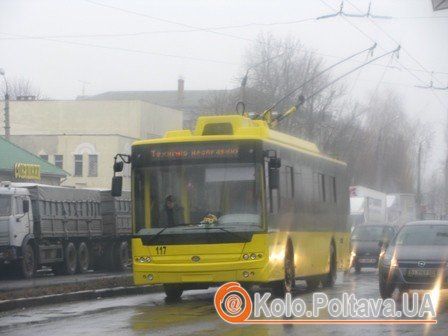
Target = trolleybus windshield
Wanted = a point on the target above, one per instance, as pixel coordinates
(189, 197)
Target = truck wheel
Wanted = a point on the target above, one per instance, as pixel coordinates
(121, 256)
(280, 288)
(28, 262)
(173, 292)
(68, 266)
(83, 258)
(330, 278)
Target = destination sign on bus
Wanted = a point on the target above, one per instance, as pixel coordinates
(195, 152)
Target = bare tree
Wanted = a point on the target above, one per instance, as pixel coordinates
(378, 140)
(21, 87)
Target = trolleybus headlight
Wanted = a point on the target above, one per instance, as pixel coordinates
(150, 277)
(253, 256)
(245, 256)
(143, 260)
(246, 274)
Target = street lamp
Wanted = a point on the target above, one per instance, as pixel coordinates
(7, 127)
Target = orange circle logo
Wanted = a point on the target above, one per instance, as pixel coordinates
(233, 303)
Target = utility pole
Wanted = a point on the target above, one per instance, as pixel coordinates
(419, 197)
(7, 127)
(445, 203)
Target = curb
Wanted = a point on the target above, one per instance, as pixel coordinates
(77, 296)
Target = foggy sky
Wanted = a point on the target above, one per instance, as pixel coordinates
(163, 42)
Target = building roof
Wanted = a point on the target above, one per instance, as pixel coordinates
(187, 100)
(12, 154)
(439, 4)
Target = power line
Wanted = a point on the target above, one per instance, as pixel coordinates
(410, 55)
(154, 18)
(137, 51)
(253, 24)
(204, 29)
(342, 13)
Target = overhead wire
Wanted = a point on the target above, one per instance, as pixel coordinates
(394, 40)
(371, 39)
(192, 29)
(253, 24)
(205, 29)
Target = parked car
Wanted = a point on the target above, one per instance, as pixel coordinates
(367, 241)
(416, 258)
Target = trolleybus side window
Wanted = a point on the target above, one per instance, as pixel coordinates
(272, 195)
(289, 182)
(332, 188)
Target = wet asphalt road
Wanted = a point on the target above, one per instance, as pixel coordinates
(48, 279)
(195, 315)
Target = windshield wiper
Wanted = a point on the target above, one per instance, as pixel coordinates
(167, 227)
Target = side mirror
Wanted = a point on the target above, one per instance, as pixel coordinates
(117, 185)
(274, 178)
(118, 166)
(26, 206)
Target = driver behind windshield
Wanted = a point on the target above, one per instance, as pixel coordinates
(173, 213)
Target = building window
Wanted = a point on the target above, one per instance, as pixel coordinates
(58, 160)
(93, 165)
(44, 157)
(321, 185)
(78, 165)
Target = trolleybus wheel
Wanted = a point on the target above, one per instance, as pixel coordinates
(280, 288)
(330, 278)
(312, 283)
(173, 292)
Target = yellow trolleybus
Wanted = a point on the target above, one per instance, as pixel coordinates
(236, 201)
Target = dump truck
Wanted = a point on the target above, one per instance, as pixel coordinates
(70, 230)
(367, 206)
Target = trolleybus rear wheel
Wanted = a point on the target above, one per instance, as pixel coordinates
(330, 278)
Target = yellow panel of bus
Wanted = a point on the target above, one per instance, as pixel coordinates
(237, 201)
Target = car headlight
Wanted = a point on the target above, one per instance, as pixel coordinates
(390, 261)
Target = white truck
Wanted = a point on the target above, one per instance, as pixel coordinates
(401, 209)
(71, 230)
(367, 206)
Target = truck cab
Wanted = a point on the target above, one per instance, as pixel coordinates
(15, 221)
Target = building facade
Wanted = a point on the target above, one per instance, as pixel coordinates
(82, 137)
